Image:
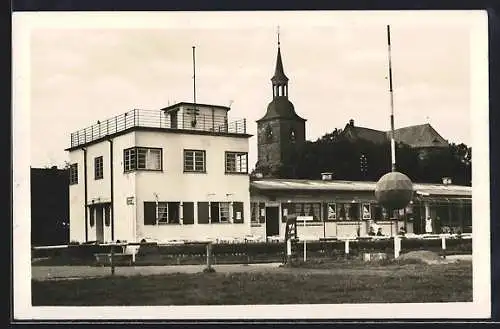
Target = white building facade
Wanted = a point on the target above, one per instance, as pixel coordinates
(180, 173)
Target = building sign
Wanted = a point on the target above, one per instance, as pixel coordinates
(305, 218)
(367, 214)
(332, 211)
(130, 200)
(238, 215)
(291, 228)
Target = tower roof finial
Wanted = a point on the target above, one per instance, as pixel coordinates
(278, 32)
(279, 77)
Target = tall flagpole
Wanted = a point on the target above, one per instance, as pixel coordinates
(393, 144)
(194, 76)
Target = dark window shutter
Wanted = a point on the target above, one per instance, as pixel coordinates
(92, 216)
(202, 212)
(149, 213)
(107, 215)
(238, 207)
(188, 213)
(325, 212)
(262, 206)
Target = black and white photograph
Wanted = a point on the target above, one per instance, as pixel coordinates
(251, 165)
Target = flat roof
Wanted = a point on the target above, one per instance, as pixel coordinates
(170, 107)
(361, 186)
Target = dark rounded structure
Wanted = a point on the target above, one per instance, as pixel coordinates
(394, 190)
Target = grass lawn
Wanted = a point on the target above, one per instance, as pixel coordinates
(345, 284)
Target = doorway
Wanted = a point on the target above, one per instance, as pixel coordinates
(99, 224)
(272, 221)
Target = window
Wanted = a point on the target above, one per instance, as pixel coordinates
(219, 212)
(194, 161)
(331, 213)
(142, 158)
(236, 162)
(168, 213)
(73, 174)
(98, 168)
(367, 214)
(161, 213)
(303, 209)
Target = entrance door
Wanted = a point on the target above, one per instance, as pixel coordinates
(272, 221)
(99, 225)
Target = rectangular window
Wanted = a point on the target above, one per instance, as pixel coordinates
(161, 213)
(303, 209)
(73, 174)
(219, 212)
(367, 213)
(168, 213)
(98, 168)
(142, 158)
(194, 161)
(236, 163)
(331, 211)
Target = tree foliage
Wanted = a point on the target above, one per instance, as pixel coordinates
(342, 157)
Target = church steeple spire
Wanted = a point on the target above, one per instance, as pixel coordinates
(279, 80)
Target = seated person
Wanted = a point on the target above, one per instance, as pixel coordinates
(371, 232)
(402, 231)
(379, 232)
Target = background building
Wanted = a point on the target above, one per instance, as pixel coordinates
(49, 206)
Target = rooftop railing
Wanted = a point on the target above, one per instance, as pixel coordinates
(157, 119)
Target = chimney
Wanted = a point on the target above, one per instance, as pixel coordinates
(326, 176)
(446, 180)
(351, 122)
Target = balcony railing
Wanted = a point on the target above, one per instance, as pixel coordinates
(157, 119)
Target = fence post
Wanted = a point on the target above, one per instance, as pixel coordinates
(397, 246)
(111, 260)
(288, 250)
(305, 250)
(443, 245)
(346, 247)
(209, 255)
(246, 249)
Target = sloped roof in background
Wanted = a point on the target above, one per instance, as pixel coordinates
(423, 135)
(366, 186)
(419, 136)
(373, 135)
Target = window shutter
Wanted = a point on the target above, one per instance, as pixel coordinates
(149, 213)
(188, 213)
(92, 216)
(107, 215)
(238, 207)
(202, 212)
(262, 208)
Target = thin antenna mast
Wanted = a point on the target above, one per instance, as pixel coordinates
(194, 76)
(195, 110)
(393, 144)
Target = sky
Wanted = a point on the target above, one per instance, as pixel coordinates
(83, 70)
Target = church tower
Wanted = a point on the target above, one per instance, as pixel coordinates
(280, 132)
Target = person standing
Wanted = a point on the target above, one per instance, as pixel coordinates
(428, 225)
